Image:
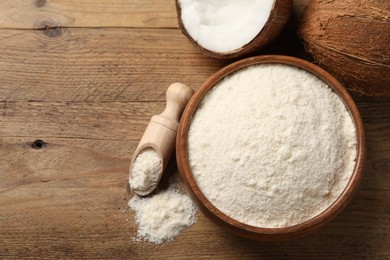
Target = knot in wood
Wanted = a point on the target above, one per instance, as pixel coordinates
(38, 144)
(39, 3)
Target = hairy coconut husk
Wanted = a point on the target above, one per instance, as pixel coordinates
(351, 40)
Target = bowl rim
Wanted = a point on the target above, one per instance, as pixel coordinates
(263, 233)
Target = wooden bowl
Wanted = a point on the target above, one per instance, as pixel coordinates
(233, 225)
(278, 18)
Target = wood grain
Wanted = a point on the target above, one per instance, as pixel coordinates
(105, 64)
(38, 14)
(88, 94)
(89, 120)
(69, 199)
(97, 65)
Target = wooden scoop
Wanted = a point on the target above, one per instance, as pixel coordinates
(160, 133)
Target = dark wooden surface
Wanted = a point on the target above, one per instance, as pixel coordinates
(85, 77)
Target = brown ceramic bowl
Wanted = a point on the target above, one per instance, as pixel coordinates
(259, 233)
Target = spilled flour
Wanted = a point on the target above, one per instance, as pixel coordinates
(161, 217)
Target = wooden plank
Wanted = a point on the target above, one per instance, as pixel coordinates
(34, 14)
(98, 65)
(69, 199)
(88, 94)
(38, 14)
(87, 120)
(74, 64)
(69, 163)
(68, 188)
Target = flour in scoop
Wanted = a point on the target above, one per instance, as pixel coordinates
(146, 170)
(160, 218)
(272, 146)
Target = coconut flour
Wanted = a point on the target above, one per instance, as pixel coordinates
(272, 146)
(160, 218)
(146, 170)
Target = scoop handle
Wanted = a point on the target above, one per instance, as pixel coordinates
(177, 97)
(161, 131)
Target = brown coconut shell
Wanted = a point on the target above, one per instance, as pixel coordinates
(278, 18)
(351, 40)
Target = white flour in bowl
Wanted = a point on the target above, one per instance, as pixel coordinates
(272, 146)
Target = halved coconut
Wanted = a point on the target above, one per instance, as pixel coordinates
(232, 28)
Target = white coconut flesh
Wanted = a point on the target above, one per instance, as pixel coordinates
(224, 25)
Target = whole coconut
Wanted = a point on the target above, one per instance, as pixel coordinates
(351, 40)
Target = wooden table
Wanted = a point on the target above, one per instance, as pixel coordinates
(79, 81)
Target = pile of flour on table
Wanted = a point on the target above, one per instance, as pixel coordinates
(161, 217)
